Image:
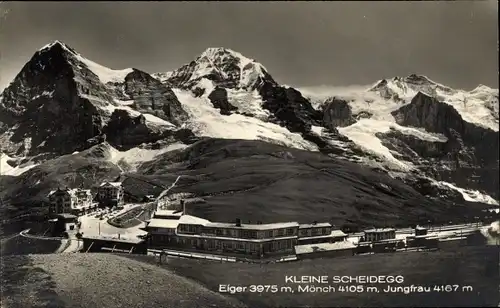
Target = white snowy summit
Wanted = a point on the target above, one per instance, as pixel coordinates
(479, 106)
(105, 74)
(443, 142)
(222, 66)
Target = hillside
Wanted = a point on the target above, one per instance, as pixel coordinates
(404, 150)
(99, 280)
(109, 280)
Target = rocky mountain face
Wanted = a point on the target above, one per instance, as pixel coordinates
(61, 102)
(468, 158)
(448, 136)
(224, 67)
(440, 141)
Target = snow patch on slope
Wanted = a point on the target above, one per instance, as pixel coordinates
(158, 121)
(381, 120)
(207, 121)
(136, 156)
(247, 102)
(469, 194)
(105, 74)
(8, 169)
(44, 94)
(475, 107)
(109, 108)
(206, 84)
(363, 134)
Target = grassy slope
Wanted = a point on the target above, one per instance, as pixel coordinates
(254, 180)
(99, 280)
(108, 280)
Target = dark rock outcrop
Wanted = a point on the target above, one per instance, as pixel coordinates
(468, 158)
(125, 131)
(46, 107)
(290, 108)
(57, 105)
(152, 96)
(218, 97)
(337, 113)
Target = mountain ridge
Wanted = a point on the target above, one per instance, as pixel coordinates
(65, 104)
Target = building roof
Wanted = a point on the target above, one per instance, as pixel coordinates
(66, 216)
(192, 220)
(168, 213)
(459, 238)
(334, 233)
(338, 233)
(270, 226)
(315, 225)
(381, 230)
(131, 240)
(163, 223)
(115, 184)
(303, 249)
(71, 191)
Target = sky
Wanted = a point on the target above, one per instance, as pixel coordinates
(300, 43)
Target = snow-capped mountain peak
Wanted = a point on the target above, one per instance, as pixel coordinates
(404, 88)
(57, 44)
(104, 74)
(484, 89)
(223, 66)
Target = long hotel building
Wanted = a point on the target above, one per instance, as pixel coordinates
(171, 229)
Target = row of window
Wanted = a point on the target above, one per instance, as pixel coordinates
(237, 233)
(379, 236)
(315, 231)
(211, 244)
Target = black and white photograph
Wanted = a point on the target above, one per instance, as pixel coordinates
(250, 154)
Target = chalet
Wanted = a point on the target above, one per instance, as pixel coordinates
(110, 194)
(71, 201)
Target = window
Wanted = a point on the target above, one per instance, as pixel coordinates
(290, 231)
(281, 232)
